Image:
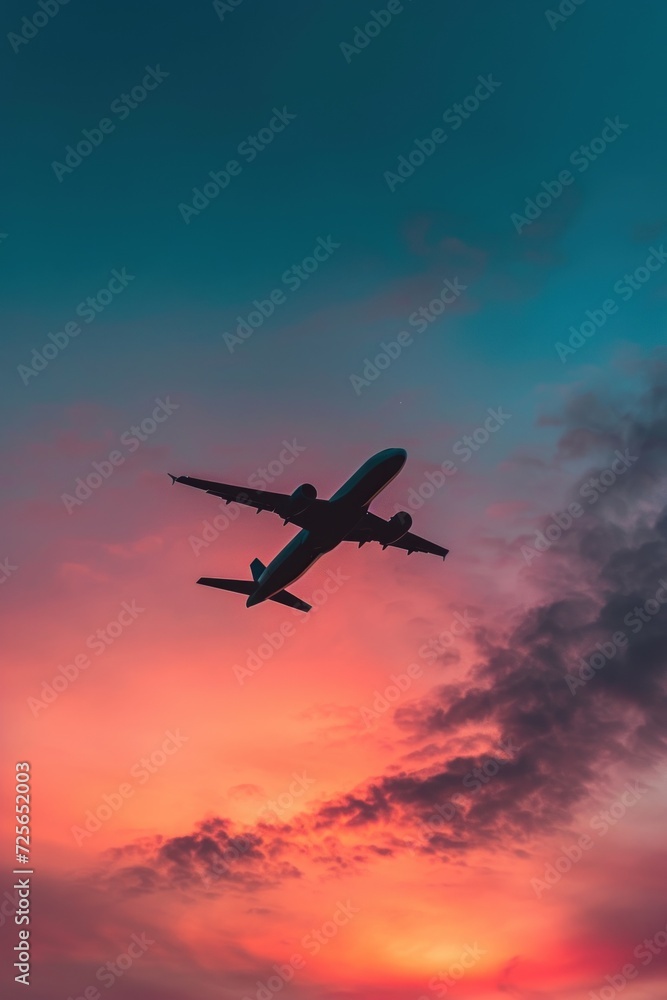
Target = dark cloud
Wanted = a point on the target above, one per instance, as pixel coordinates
(212, 858)
(353, 810)
(543, 745)
(616, 554)
(607, 564)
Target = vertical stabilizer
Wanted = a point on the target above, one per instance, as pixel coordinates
(257, 567)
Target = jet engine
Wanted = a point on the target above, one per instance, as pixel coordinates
(396, 527)
(302, 498)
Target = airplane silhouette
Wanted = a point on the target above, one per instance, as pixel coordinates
(325, 523)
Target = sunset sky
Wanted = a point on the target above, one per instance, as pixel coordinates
(449, 779)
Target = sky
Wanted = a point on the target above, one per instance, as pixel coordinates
(257, 243)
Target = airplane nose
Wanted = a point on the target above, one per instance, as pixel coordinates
(253, 600)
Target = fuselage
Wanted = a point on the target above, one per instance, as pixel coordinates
(343, 511)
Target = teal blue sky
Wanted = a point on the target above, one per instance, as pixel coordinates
(324, 175)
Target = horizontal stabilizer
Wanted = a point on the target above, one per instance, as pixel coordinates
(248, 586)
(284, 597)
(236, 586)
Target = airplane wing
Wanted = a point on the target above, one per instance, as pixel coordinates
(371, 528)
(279, 503)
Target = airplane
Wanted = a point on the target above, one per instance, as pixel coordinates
(344, 517)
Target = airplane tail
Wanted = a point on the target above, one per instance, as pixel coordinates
(257, 567)
(248, 586)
